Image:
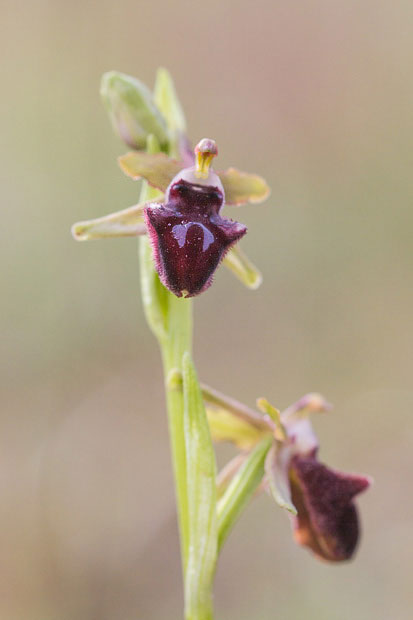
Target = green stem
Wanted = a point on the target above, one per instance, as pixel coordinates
(178, 341)
(170, 319)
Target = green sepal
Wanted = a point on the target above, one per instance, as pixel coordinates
(201, 493)
(240, 265)
(157, 169)
(241, 489)
(132, 110)
(126, 223)
(230, 420)
(225, 426)
(243, 187)
(215, 399)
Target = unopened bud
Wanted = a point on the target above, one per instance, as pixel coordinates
(131, 109)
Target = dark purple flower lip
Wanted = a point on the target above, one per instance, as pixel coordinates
(327, 520)
(189, 237)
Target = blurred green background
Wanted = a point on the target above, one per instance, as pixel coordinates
(316, 96)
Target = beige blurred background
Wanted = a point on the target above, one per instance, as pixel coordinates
(317, 96)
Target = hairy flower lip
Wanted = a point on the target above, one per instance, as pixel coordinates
(327, 520)
(188, 236)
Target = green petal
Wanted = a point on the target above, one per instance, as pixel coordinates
(242, 187)
(266, 407)
(305, 406)
(242, 268)
(126, 223)
(158, 169)
(276, 469)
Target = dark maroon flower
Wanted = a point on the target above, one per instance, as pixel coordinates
(188, 235)
(320, 500)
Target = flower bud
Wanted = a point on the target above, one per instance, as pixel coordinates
(131, 109)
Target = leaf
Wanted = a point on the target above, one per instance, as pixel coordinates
(201, 488)
(240, 265)
(126, 223)
(157, 168)
(243, 187)
(241, 488)
(276, 469)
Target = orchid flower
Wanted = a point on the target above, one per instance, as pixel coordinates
(189, 237)
(319, 500)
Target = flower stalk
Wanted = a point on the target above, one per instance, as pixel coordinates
(170, 319)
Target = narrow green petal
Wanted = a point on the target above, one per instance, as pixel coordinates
(158, 169)
(275, 415)
(241, 489)
(242, 187)
(126, 223)
(242, 268)
(201, 487)
(305, 406)
(276, 469)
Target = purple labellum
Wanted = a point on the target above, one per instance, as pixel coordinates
(188, 236)
(327, 520)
